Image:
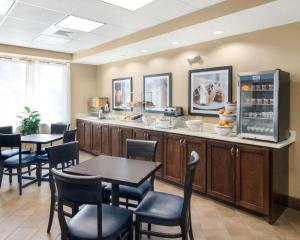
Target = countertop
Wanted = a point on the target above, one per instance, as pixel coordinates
(206, 133)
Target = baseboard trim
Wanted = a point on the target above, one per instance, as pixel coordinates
(294, 203)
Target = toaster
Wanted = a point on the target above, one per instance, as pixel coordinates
(173, 111)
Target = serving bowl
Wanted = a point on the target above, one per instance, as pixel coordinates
(148, 121)
(222, 130)
(230, 107)
(227, 117)
(194, 124)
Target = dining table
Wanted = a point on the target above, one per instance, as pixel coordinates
(39, 140)
(117, 171)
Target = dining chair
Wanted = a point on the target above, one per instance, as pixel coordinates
(59, 128)
(18, 161)
(60, 157)
(7, 153)
(95, 220)
(69, 136)
(140, 150)
(168, 210)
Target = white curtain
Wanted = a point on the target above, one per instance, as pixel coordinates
(39, 85)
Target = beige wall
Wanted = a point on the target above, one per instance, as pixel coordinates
(263, 50)
(83, 86)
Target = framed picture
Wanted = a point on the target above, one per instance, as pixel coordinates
(157, 94)
(209, 90)
(121, 93)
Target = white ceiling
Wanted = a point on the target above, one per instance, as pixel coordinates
(30, 18)
(269, 15)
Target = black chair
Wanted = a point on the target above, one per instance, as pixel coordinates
(60, 157)
(168, 210)
(69, 136)
(95, 220)
(137, 149)
(11, 151)
(18, 161)
(59, 128)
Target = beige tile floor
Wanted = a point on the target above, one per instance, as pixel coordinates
(26, 217)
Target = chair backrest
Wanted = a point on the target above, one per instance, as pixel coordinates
(80, 190)
(6, 130)
(141, 148)
(69, 136)
(59, 128)
(189, 178)
(10, 141)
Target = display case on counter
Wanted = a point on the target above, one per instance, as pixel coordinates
(263, 105)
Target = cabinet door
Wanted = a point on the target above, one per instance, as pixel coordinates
(126, 133)
(198, 145)
(105, 140)
(221, 170)
(80, 133)
(96, 138)
(87, 135)
(159, 157)
(252, 178)
(173, 166)
(139, 134)
(115, 140)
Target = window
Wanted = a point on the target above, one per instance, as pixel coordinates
(39, 85)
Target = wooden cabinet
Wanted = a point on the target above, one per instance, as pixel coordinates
(96, 139)
(118, 140)
(173, 164)
(198, 145)
(84, 134)
(252, 178)
(105, 140)
(221, 170)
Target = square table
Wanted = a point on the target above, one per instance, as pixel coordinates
(116, 170)
(38, 140)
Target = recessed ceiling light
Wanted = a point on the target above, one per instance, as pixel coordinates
(5, 5)
(175, 43)
(79, 24)
(218, 32)
(144, 50)
(45, 39)
(131, 5)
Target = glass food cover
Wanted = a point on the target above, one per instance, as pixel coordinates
(263, 103)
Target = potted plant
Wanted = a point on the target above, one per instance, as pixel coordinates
(30, 121)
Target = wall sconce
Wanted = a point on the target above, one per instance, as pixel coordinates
(194, 59)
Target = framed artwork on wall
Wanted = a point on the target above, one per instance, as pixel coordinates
(121, 93)
(157, 92)
(209, 90)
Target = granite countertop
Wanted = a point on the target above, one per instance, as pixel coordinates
(207, 132)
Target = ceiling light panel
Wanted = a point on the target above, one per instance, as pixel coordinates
(79, 24)
(131, 5)
(50, 40)
(5, 5)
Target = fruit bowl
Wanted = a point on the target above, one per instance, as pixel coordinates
(194, 124)
(223, 130)
(227, 117)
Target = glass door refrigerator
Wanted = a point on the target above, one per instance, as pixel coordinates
(264, 105)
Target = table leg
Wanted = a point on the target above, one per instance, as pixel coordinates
(115, 194)
(39, 165)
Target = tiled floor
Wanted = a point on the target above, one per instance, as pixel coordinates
(26, 217)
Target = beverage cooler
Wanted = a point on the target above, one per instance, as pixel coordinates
(264, 105)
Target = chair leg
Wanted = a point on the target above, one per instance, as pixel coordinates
(19, 172)
(51, 214)
(184, 233)
(191, 227)
(29, 170)
(149, 229)
(39, 172)
(10, 175)
(1, 172)
(75, 209)
(138, 231)
(127, 201)
(130, 230)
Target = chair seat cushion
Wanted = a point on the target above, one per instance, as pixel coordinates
(12, 152)
(132, 192)
(160, 208)
(84, 224)
(43, 151)
(26, 159)
(44, 157)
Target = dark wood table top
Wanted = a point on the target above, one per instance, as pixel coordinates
(41, 138)
(117, 170)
